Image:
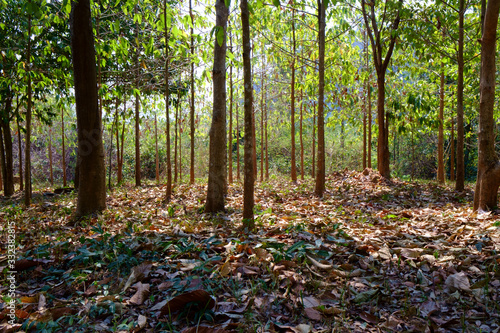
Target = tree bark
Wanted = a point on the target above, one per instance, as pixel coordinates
(217, 164)
(313, 162)
(486, 194)
(27, 137)
(452, 151)
(440, 172)
(460, 182)
(50, 158)
(92, 173)
(248, 187)
(137, 110)
(292, 102)
(157, 157)
(320, 176)
(191, 168)
(63, 149)
(7, 150)
(262, 119)
(230, 134)
(168, 194)
(20, 149)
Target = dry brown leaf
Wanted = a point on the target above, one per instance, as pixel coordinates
(312, 313)
(198, 299)
(458, 281)
(141, 294)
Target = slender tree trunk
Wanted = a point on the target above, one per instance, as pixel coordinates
(248, 192)
(50, 158)
(168, 194)
(452, 149)
(63, 137)
(262, 120)
(157, 157)
(460, 183)
(7, 150)
(217, 165)
(92, 177)
(488, 182)
(254, 143)
(176, 138)
(237, 142)
(266, 137)
(292, 101)
(313, 172)
(320, 175)
(20, 149)
(191, 170)
(364, 100)
(230, 135)
(180, 148)
(137, 109)
(27, 138)
(382, 140)
(301, 137)
(369, 157)
(440, 172)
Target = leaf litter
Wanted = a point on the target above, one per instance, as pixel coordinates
(372, 255)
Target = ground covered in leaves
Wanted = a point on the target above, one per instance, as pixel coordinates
(370, 256)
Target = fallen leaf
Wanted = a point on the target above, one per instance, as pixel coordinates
(458, 281)
(141, 294)
(197, 299)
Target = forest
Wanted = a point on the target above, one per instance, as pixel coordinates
(215, 167)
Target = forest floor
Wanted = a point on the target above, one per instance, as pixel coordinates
(370, 256)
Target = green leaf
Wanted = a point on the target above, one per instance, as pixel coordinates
(227, 3)
(277, 3)
(219, 32)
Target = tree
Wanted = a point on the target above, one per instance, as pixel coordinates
(191, 110)
(376, 30)
(488, 180)
(217, 164)
(321, 172)
(249, 175)
(167, 102)
(92, 174)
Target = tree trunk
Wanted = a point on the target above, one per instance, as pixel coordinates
(157, 158)
(301, 136)
(452, 149)
(459, 185)
(266, 138)
(168, 194)
(440, 172)
(313, 169)
(237, 143)
(63, 149)
(248, 187)
(262, 120)
(369, 157)
(292, 102)
(137, 115)
(20, 149)
(27, 138)
(230, 134)
(191, 169)
(320, 176)
(176, 138)
(50, 158)
(485, 196)
(7, 150)
(92, 173)
(382, 140)
(217, 165)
